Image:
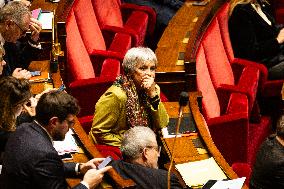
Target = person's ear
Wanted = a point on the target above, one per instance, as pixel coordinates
(145, 154)
(53, 121)
(8, 23)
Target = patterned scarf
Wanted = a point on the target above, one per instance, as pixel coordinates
(137, 105)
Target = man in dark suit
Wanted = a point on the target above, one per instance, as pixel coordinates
(31, 160)
(140, 152)
(15, 21)
(268, 170)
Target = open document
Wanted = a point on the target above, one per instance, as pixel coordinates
(197, 173)
(68, 145)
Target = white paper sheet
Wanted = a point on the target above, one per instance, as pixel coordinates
(229, 184)
(199, 172)
(68, 145)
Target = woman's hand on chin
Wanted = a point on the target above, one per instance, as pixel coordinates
(148, 84)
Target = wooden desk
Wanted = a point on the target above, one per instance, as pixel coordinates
(202, 134)
(178, 44)
(43, 66)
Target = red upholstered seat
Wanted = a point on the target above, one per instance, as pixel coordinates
(224, 77)
(243, 170)
(227, 117)
(134, 20)
(99, 42)
(87, 79)
(268, 88)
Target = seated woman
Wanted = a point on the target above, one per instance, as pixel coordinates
(14, 95)
(133, 100)
(255, 36)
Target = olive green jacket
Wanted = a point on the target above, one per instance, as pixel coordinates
(109, 123)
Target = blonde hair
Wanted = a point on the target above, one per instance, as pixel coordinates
(234, 3)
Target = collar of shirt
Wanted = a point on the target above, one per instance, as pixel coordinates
(257, 8)
(45, 131)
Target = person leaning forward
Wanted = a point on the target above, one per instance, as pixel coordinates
(32, 161)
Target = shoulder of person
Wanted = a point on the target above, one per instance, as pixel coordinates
(116, 91)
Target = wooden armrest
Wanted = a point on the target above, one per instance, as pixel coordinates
(92, 150)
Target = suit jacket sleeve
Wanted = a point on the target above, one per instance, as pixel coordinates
(48, 173)
(27, 53)
(243, 37)
(175, 182)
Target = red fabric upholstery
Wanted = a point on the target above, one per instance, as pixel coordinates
(243, 170)
(221, 71)
(87, 79)
(105, 150)
(227, 117)
(91, 34)
(232, 125)
(264, 84)
(135, 21)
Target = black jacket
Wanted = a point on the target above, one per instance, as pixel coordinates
(31, 162)
(19, 55)
(252, 38)
(145, 177)
(268, 171)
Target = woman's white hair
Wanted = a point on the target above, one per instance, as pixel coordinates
(136, 55)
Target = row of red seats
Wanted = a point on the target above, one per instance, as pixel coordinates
(231, 88)
(99, 33)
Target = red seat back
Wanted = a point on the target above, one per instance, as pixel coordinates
(108, 12)
(217, 61)
(88, 25)
(210, 102)
(223, 19)
(79, 64)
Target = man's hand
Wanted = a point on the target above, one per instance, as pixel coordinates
(35, 27)
(92, 164)
(20, 73)
(93, 176)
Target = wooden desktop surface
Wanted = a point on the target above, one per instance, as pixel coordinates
(177, 46)
(202, 133)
